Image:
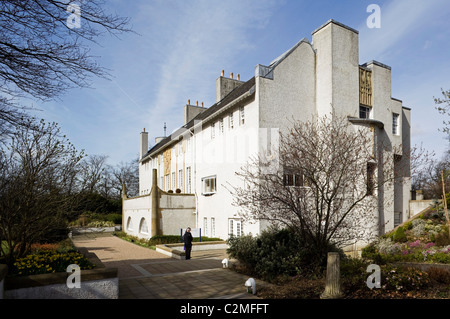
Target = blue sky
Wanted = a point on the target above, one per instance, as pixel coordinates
(184, 44)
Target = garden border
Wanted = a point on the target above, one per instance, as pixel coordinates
(99, 283)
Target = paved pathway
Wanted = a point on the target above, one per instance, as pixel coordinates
(145, 273)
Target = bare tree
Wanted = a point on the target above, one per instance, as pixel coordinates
(127, 174)
(443, 107)
(91, 173)
(322, 182)
(37, 170)
(43, 52)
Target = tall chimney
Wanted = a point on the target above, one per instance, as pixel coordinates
(222, 73)
(144, 144)
(225, 85)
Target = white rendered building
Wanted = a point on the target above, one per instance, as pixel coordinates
(200, 159)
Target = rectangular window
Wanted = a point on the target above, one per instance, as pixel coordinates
(241, 116)
(174, 181)
(235, 228)
(205, 226)
(188, 180)
(213, 227)
(162, 183)
(209, 185)
(230, 121)
(213, 130)
(292, 179)
(167, 187)
(221, 125)
(395, 124)
(364, 112)
(180, 180)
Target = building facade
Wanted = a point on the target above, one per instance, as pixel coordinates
(188, 172)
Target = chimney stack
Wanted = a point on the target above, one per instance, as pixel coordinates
(144, 143)
(226, 85)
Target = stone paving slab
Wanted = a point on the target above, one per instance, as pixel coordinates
(146, 274)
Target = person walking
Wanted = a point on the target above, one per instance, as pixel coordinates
(187, 239)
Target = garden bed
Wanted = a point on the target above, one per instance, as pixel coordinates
(43, 275)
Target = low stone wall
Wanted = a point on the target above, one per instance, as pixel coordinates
(97, 283)
(177, 250)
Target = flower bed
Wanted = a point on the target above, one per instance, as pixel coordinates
(424, 239)
(49, 258)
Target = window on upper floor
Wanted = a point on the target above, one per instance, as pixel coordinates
(221, 125)
(209, 185)
(395, 124)
(231, 121)
(213, 130)
(188, 180)
(241, 116)
(364, 112)
(291, 178)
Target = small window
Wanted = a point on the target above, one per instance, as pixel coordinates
(242, 116)
(143, 228)
(180, 179)
(221, 125)
(129, 224)
(213, 130)
(364, 112)
(209, 185)
(235, 228)
(213, 227)
(205, 226)
(292, 179)
(395, 124)
(231, 121)
(188, 180)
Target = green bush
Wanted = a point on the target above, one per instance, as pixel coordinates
(277, 252)
(354, 273)
(399, 235)
(371, 253)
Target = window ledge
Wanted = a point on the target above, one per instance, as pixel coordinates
(208, 194)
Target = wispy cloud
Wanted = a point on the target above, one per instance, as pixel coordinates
(191, 42)
(400, 20)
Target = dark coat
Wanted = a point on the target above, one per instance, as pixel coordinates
(187, 239)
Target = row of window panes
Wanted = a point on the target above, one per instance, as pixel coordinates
(166, 183)
(230, 122)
